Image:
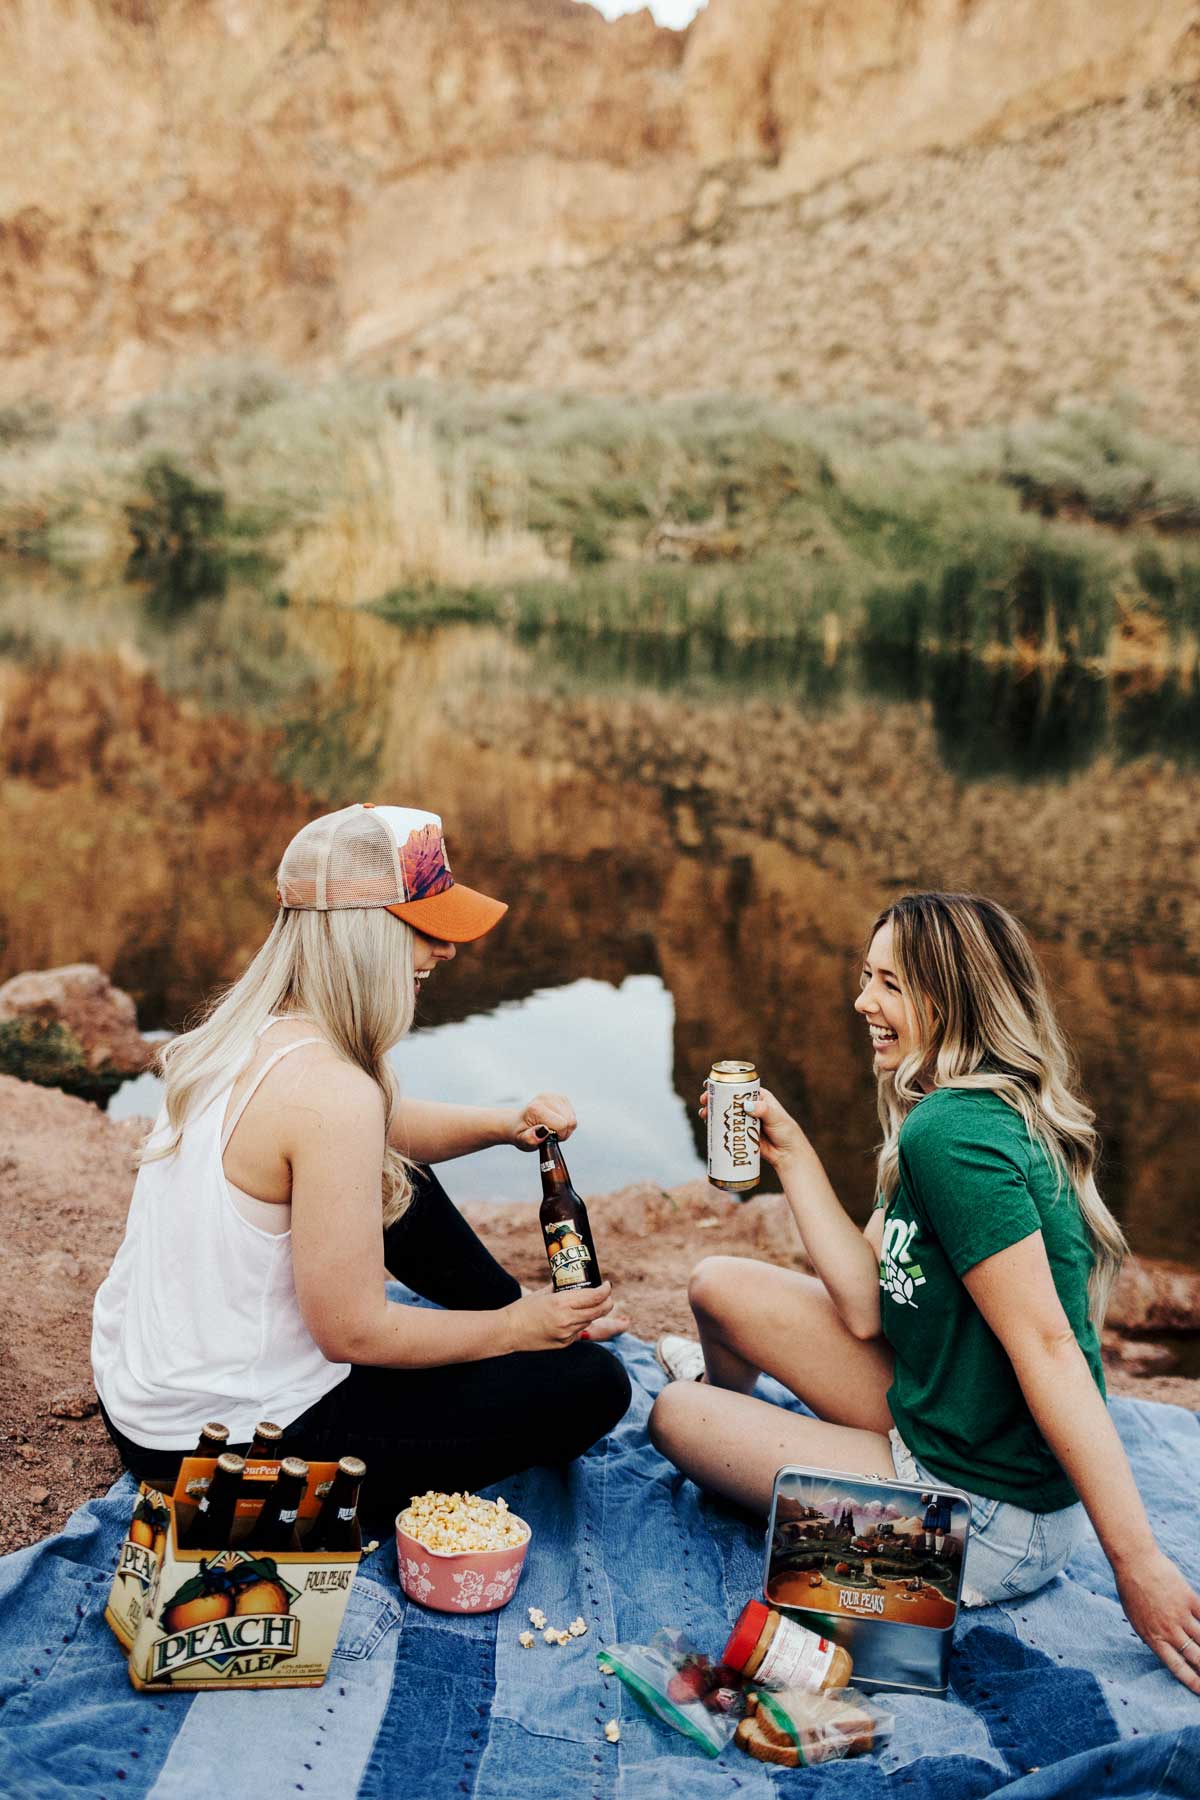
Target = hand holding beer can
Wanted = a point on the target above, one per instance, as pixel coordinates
(733, 1156)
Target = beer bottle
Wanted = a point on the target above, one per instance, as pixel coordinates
(275, 1527)
(565, 1225)
(212, 1440)
(211, 1525)
(267, 1441)
(336, 1525)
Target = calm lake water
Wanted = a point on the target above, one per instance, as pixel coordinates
(693, 838)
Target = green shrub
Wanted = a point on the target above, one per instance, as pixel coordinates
(48, 1053)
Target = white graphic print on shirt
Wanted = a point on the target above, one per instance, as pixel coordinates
(898, 1276)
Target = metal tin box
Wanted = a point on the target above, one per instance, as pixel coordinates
(876, 1565)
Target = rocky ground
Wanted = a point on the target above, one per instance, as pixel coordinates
(65, 1175)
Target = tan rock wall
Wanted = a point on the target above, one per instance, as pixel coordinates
(820, 85)
(216, 178)
(211, 177)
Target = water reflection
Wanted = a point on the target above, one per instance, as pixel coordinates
(991, 717)
(698, 664)
(608, 1046)
(706, 824)
(996, 720)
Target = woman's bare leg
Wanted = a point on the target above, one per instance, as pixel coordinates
(733, 1444)
(754, 1317)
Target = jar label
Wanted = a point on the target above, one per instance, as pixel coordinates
(795, 1657)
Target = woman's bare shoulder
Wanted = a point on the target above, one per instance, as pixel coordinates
(324, 1086)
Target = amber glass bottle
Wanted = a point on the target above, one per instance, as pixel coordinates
(275, 1527)
(211, 1525)
(565, 1227)
(336, 1525)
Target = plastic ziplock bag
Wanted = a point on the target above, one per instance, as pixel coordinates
(795, 1728)
(680, 1686)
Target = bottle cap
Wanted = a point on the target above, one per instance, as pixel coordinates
(746, 1634)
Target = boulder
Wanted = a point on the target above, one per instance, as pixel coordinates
(1149, 1295)
(71, 1028)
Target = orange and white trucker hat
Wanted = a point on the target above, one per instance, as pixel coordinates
(389, 856)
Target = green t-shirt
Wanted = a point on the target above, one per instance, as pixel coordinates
(971, 1182)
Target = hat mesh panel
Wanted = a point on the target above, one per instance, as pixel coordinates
(345, 859)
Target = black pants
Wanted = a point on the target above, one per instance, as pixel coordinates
(462, 1425)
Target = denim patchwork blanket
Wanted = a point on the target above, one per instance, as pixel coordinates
(1053, 1696)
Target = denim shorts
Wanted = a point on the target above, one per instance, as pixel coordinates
(1010, 1552)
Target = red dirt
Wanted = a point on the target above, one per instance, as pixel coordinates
(66, 1171)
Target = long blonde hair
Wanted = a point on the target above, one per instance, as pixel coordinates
(981, 1018)
(350, 972)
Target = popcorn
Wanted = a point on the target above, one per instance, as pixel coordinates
(453, 1522)
(577, 1628)
(550, 1635)
(537, 1618)
(612, 1731)
(525, 1639)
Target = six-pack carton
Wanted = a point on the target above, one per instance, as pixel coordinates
(229, 1617)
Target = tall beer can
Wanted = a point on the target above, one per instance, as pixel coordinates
(733, 1159)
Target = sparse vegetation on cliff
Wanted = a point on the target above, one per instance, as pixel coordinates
(729, 516)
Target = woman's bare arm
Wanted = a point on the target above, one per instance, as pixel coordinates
(1015, 1292)
(431, 1131)
(843, 1255)
(334, 1140)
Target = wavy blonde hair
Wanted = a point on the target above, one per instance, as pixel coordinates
(981, 1017)
(350, 972)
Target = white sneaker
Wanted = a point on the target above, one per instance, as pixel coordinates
(680, 1357)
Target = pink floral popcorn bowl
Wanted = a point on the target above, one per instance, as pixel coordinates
(472, 1580)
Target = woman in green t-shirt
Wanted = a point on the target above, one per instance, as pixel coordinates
(955, 1339)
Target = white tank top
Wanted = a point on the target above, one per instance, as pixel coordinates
(198, 1318)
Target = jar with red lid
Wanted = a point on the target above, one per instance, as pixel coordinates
(778, 1652)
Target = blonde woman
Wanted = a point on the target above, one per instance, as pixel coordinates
(955, 1340)
(285, 1179)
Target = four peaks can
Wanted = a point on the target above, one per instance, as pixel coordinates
(733, 1159)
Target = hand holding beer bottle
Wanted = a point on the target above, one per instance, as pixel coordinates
(580, 1296)
(543, 1115)
(550, 1321)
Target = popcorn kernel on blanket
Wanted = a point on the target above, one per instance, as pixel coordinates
(612, 1731)
(525, 1639)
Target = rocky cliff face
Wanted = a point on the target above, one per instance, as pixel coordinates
(304, 180)
(408, 183)
(812, 87)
